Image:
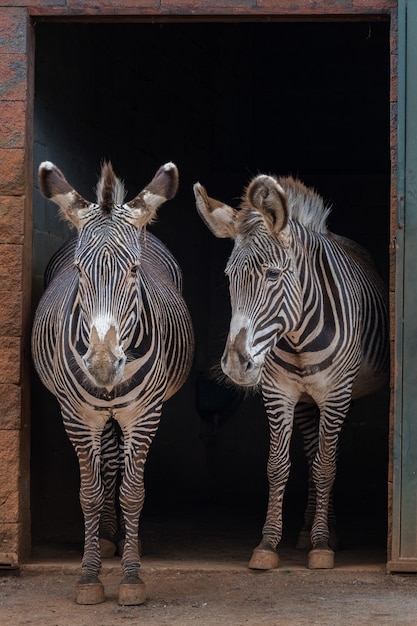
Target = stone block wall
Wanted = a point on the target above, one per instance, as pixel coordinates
(15, 278)
(17, 31)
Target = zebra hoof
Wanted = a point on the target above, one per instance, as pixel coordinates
(132, 591)
(321, 558)
(89, 593)
(107, 548)
(264, 559)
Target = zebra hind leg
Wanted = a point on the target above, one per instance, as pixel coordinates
(111, 461)
(306, 417)
(323, 473)
(304, 536)
(132, 589)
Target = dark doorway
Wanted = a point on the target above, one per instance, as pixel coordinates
(224, 101)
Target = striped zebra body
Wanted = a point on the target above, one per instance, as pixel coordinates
(112, 339)
(309, 328)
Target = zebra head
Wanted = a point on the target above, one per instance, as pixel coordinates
(107, 259)
(265, 290)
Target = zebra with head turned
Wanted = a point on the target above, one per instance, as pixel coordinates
(112, 339)
(309, 327)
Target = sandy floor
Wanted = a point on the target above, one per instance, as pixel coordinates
(213, 594)
(195, 570)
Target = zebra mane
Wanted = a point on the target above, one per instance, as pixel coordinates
(305, 205)
(110, 190)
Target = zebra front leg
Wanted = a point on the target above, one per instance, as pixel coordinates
(265, 555)
(323, 473)
(89, 589)
(304, 536)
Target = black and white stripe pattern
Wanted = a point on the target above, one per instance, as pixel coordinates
(112, 339)
(309, 327)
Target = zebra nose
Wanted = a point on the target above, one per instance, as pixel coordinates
(244, 361)
(120, 362)
(104, 366)
(117, 362)
(248, 366)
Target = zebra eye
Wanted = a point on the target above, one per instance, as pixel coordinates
(273, 273)
(134, 270)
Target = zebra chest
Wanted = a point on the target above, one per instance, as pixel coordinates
(144, 370)
(302, 376)
(300, 365)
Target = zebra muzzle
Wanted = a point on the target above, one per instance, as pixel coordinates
(104, 361)
(241, 368)
(237, 361)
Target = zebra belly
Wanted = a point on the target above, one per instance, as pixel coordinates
(310, 386)
(368, 381)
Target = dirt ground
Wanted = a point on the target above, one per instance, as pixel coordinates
(215, 596)
(195, 570)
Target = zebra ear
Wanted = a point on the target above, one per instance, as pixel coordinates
(162, 187)
(266, 196)
(55, 187)
(218, 217)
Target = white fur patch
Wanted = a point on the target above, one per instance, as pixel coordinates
(238, 322)
(47, 165)
(263, 177)
(152, 200)
(169, 166)
(102, 325)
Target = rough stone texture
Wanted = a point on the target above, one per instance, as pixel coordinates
(12, 167)
(14, 247)
(10, 360)
(10, 313)
(10, 402)
(13, 30)
(11, 267)
(9, 492)
(12, 124)
(13, 76)
(9, 538)
(11, 219)
(194, 7)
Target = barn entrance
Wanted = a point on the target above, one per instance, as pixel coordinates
(224, 101)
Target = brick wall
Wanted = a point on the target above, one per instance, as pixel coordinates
(16, 117)
(15, 263)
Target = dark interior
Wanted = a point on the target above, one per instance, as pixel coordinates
(224, 101)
